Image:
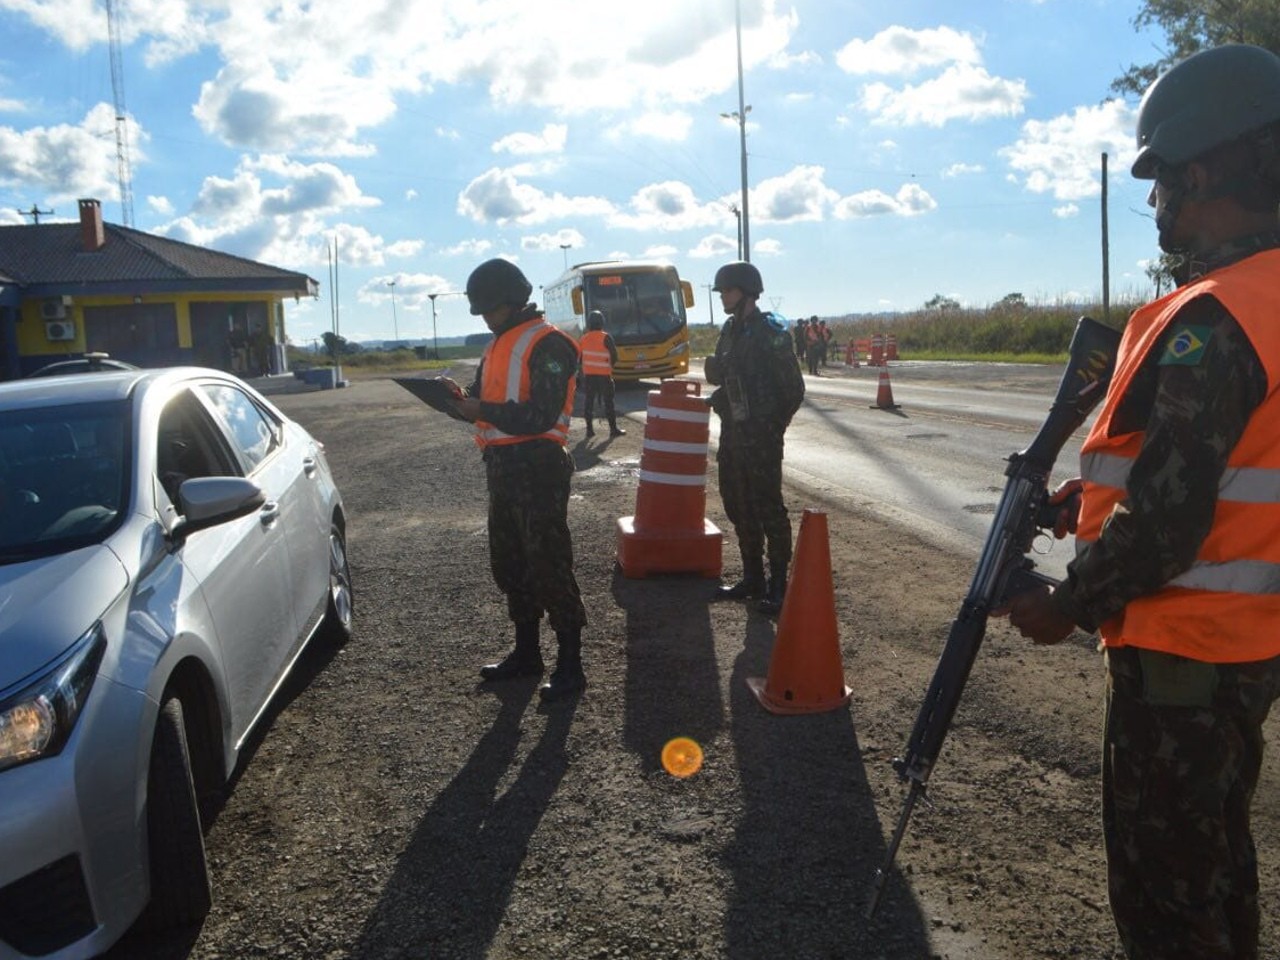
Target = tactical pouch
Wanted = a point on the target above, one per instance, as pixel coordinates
(738, 405)
(1171, 681)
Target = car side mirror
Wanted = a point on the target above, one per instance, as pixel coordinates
(208, 501)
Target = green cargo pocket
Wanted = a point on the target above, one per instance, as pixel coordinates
(1172, 681)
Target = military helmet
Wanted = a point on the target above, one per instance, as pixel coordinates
(595, 320)
(1211, 98)
(739, 274)
(494, 283)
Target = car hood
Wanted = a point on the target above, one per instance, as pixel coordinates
(48, 604)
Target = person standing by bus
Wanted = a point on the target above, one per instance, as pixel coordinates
(521, 401)
(598, 357)
(759, 390)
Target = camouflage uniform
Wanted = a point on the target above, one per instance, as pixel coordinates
(762, 389)
(530, 550)
(1183, 741)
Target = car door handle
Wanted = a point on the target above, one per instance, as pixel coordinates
(269, 513)
(309, 466)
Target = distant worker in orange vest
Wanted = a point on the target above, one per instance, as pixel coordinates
(521, 401)
(598, 357)
(1178, 527)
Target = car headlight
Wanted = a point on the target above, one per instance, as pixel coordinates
(36, 721)
(678, 349)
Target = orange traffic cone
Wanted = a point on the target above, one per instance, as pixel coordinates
(805, 671)
(884, 394)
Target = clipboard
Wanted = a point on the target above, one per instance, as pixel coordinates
(435, 393)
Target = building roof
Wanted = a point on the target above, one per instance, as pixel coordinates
(52, 256)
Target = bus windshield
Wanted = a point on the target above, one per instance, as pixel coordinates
(637, 307)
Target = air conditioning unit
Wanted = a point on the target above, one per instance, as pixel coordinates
(59, 330)
(53, 310)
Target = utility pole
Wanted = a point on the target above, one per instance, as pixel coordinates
(711, 313)
(395, 324)
(738, 213)
(742, 134)
(123, 173)
(1106, 248)
(35, 213)
(435, 339)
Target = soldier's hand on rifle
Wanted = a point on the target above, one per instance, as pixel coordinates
(1067, 498)
(1034, 615)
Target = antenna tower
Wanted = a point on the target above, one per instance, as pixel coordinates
(123, 173)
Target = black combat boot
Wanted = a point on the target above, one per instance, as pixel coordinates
(615, 430)
(567, 677)
(524, 661)
(590, 430)
(777, 592)
(751, 585)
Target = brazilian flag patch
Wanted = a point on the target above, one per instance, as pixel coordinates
(1186, 346)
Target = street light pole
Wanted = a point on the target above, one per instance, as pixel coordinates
(742, 134)
(564, 247)
(434, 338)
(395, 323)
(738, 214)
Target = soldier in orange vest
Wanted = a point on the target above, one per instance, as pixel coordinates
(520, 402)
(1178, 523)
(598, 357)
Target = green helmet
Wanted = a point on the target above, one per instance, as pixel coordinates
(1211, 98)
(494, 283)
(739, 274)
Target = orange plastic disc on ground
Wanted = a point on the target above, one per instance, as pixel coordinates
(682, 757)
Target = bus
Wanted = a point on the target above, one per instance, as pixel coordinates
(644, 304)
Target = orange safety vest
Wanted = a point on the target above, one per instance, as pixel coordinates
(506, 378)
(595, 355)
(1226, 607)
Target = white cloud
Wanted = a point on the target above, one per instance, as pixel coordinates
(961, 92)
(1062, 156)
(961, 170)
(1067, 211)
(802, 97)
(160, 205)
(554, 241)
(496, 196)
(785, 61)
(68, 162)
(715, 245)
(898, 50)
(470, 248)
(660, 251)
(768, 247)
(411, 292)
(405, 248)
(670, 205)
(410, 194)
(798, 195)
(12, 106)
(551, 140)
(447, 134)
(910, 200)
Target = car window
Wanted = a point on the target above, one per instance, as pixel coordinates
(189, 445)
(253, 432)
(64, 475)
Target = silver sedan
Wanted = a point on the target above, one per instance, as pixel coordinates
(169, 542)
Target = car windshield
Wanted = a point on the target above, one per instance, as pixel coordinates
(638, 307)
(64, 477)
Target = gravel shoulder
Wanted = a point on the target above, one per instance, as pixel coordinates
(396, 808)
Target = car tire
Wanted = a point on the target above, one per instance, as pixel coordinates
(338, 615)
(180, 890)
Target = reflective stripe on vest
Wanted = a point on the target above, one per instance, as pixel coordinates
(1226, 607)
(506, 379)
(595, 355)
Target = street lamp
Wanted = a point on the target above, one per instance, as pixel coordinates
(394, 322)
(564, 247)
(738, 213)
(740, 115)
(434, 338)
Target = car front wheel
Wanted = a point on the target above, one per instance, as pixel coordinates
(180, 889)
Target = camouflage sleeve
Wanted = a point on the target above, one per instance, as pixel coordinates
(789, 381)
(1202, 399)
(473, 388)
(552, 365)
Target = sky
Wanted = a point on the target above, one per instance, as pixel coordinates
(895, 151)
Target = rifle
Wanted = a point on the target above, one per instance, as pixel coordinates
(1004, 569)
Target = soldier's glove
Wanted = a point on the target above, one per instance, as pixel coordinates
(711, 369)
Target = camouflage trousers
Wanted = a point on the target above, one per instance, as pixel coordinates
(1182, 750)
(594, 385)
(530, 550)
(751, 489)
